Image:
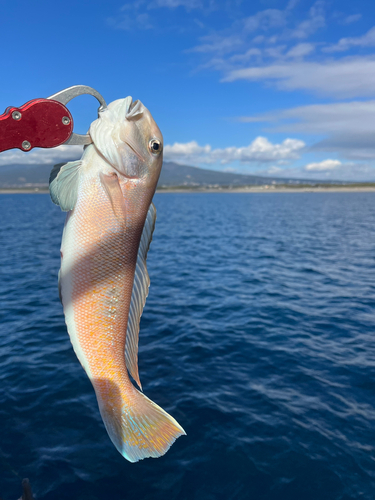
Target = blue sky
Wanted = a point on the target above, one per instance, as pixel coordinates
(278, 87)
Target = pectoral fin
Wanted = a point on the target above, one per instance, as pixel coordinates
(112, 187)
(63, 184)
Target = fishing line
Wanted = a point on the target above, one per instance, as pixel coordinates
(2, 459)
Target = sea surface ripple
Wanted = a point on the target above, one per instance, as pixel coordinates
(258, 336)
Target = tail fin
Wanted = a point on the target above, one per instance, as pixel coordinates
(138, 427)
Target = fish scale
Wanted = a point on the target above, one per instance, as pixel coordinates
(101, 289)
(103, 278)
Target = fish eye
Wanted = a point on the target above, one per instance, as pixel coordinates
(155, 146)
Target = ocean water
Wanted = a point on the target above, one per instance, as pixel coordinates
(258, 336)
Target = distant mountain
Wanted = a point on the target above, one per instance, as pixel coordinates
(24, 175)
(172, 174)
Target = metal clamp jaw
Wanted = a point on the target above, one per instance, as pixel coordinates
(66, 95)
(44, 123)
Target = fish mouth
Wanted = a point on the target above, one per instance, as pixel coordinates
(135, 110)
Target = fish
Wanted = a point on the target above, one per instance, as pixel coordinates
(103, 278)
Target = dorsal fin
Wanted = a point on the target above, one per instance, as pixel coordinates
(139, 294)
(63, 184)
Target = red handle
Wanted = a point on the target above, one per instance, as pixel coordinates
(40, 123)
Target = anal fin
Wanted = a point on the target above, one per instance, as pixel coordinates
(139, 294)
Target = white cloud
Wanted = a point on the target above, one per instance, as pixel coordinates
(351, 172)
(315, 20)
(264, 20)
(269, 26)
(41, 156)
(300, 50)
(348, 127)
(218, 44)
(172, 4)
(348, 77)
(261, 48)
(128, 22)
(275, 52)
(237, 35)
(323, 165)
(354, 146)
(187, 149)
(250, 54)
(351, 19)
(156, 4)
(259, 151)
(321, 119)
(134, 15)
(367, 40)
(259, 39)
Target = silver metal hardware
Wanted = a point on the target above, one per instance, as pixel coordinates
(26, 145)
(16, 115)
(66, 95)
(65, 120)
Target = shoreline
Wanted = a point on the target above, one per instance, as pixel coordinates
(320, 189)
(252, 189)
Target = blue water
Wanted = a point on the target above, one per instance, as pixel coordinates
(258, 336)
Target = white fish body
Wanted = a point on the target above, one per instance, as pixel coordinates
(103, 279)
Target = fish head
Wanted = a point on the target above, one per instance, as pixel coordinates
(129, 139)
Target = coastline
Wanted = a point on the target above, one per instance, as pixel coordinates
(283, 189)
(250, 189)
